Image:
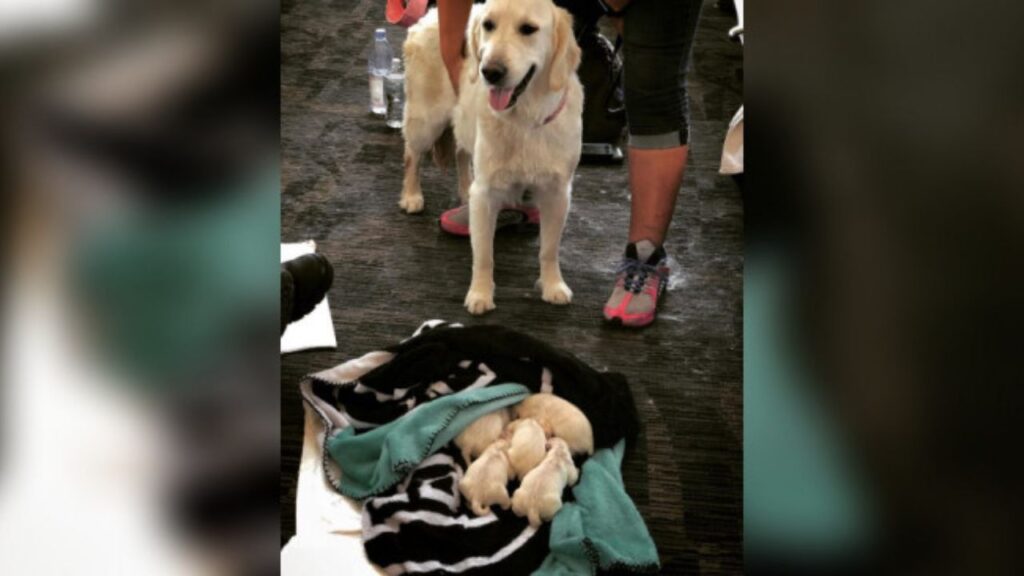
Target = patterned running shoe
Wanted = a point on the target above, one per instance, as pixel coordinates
(640, 282)
(456, 220)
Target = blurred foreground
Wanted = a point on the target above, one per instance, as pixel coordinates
(140, 414)
(883, 287)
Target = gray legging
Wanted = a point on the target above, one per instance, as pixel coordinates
(657, 38)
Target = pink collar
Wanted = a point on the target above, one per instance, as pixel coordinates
(561, 105)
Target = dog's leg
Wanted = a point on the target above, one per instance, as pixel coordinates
(574, 475)
(412, 194)
(420, 135)
(463, 161)
(554, 207)
(483, 216)
(534, 517)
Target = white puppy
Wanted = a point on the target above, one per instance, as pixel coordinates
(486, 481)
(539, 497)
(526, 445)
(560, 418)
(481, 434)
(517, 116)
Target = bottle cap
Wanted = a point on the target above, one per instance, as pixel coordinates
(380, 34)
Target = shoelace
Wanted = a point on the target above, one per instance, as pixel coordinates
(636, 274)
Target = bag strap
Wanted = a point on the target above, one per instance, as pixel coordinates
(615, 79)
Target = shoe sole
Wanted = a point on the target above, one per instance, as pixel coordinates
(616, 322)
(520, 225)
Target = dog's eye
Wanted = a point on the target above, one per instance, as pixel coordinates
(489, 25)
(527, 29)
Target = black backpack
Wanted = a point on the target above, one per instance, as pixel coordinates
(600, 72)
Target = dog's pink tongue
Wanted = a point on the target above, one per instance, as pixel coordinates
(499, 98)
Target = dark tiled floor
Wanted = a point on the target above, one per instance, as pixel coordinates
(341, 180)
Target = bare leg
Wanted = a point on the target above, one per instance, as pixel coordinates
(554, 206)
(655, 176)
(482, 220)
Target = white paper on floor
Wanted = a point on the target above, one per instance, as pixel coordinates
(314, 330)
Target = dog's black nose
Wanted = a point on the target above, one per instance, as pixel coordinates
(494, 73)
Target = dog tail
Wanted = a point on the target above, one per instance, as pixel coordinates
(444, 150)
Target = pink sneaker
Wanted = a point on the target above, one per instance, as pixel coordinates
(456, 220)
(639, 285)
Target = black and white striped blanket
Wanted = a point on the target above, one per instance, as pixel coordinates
(421, 525)
(423, 528)
(442, 358)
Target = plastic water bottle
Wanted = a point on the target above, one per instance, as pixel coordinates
(394, 91)
(379, 64)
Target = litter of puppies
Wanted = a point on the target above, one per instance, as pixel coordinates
(536, 449)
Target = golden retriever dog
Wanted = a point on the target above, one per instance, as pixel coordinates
(517, 117)
(486, 480)
(526, 446)
(539, 497)
(560, 418)
(481, 434)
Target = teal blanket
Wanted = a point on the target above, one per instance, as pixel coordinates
(602, 529)
(602, 526)
(376, 460)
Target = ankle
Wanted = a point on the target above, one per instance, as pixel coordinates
(638, 238)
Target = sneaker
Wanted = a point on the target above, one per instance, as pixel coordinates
(641, 280)
(456, 220)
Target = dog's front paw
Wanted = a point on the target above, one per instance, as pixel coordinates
(557, 293)
(479, 301)
(412, 203)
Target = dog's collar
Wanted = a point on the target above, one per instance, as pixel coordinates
(558, 110)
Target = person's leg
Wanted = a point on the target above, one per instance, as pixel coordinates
(654, 179)
(657, 40)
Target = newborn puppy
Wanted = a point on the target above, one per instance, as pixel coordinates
(485, 481)
(561, 418)
(526, 445)
(481, 434)
(539, 497)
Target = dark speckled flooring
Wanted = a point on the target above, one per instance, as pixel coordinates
(341, 181)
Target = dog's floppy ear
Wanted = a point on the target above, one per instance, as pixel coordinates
(565, 56)
(472, 55)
